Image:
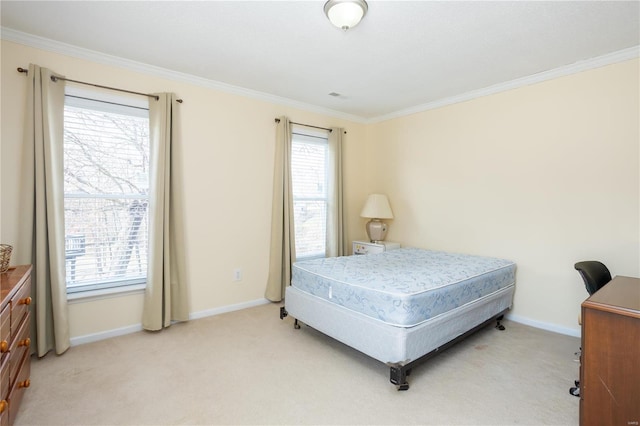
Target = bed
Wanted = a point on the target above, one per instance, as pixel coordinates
(401, 306)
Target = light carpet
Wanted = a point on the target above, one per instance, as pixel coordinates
(249, 367)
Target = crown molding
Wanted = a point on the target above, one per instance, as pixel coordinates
(102, 58)
(585, 65)
(105, 59)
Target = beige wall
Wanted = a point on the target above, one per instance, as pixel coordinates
(228, 150)
(545, 175)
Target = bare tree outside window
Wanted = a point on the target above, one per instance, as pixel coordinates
(106, 182)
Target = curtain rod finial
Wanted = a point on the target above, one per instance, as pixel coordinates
(20, 69)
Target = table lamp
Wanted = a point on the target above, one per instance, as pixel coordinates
(377, 207)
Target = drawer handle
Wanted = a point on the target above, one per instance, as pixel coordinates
(3, 406)
(24, 384)
(25, 301)
(25, 342)
(4, 347)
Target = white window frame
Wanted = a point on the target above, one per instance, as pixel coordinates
(109, 102)
(309, 136)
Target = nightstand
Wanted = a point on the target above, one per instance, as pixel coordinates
(365, 247)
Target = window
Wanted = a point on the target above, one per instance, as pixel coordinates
(106, 182)
(309, 159)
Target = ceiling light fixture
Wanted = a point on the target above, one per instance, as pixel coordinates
(345, 14)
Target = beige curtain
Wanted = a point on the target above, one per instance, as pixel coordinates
(282, 253)
(335, 215)
(42, 206)
(166, 293)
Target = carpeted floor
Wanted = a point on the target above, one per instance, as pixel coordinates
(249, 367)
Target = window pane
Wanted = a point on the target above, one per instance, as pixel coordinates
(106, 163)
(309, 180)
(310, 218)
(309, 169)
(105, 240)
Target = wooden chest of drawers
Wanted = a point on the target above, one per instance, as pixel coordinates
(15, 327)
(610, 360)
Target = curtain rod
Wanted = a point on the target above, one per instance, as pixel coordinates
(55, 78)
(307, 125)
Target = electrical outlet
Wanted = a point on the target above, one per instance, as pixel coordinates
(237, 274)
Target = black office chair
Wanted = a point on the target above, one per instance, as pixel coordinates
(595, 275)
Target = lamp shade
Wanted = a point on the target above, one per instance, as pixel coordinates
(345, 14)
(377, 207)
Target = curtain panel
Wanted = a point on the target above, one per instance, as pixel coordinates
(283, 246)
(41, 233)
(166, 293)
(335, 244)
(282, 254)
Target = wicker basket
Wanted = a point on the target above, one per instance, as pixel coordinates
(5, 256)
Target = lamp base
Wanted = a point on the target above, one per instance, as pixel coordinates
(376, 230)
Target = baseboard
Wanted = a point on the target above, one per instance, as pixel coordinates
(228, 308)
(95, 337)
(543, 325)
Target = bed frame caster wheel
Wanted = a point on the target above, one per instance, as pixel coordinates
(296, 325)
(398, 376)
(498, 325)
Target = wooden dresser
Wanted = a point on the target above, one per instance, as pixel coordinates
(15, 343)
(610, 360)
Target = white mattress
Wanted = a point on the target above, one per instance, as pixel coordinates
(403, 287)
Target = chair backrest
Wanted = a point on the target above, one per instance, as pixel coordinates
(594, 274)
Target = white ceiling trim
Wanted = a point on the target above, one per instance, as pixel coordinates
(585, 65)
(94, 56)
(105, 59)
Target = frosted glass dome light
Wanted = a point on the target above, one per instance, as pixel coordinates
(345, 14)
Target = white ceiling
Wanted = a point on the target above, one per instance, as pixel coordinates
(404, 54)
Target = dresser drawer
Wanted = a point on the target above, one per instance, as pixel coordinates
(20, 306)
(17, 391)
(4, 412)
(5, 329)
(5, 342)
(4, 378)
(19, 349)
